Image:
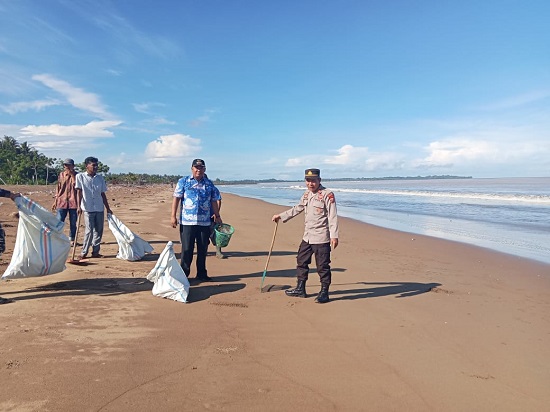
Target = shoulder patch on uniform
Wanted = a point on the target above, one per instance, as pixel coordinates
(331, 197)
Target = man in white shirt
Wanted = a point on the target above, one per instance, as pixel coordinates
(91, 189)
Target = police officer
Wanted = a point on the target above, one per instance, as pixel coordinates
(320, 234)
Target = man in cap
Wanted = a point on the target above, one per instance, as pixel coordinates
(320, 234)
(66, 198)
(196, 197)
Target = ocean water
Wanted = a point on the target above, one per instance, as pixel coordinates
(510, 215)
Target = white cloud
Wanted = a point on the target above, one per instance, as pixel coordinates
(204, 118)
(77, 97)
(15, 82)
(146, 108)
(93, 129)
(354, 158)
(122, 33)
(37, 105)
(515, 151)
(120, 29)
(348, 154)
(172, 146)
(56, 145)
(158, 121)
(450, 151)
(10, 130)
(517, 101)
(114, 72)
(303, 160)
(384, 161)
(475, 152)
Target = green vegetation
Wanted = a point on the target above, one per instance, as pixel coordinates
(140, 178)
(21, 164)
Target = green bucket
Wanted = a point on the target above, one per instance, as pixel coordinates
(223, 234)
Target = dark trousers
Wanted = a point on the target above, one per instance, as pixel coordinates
(322, 260)
(73, 216)
(2, 240)
(189, 235)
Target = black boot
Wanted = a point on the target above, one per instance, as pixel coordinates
(299, 291)
(322, 297)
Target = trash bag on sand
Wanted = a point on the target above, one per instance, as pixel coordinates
(41, 247)
(130, 246)
(168, 277)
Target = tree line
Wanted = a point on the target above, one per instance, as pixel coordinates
(22, 164)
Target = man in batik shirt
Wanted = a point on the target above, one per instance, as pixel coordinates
(195, 195)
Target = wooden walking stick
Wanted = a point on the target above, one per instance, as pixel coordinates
(268, 256)
(73, 261)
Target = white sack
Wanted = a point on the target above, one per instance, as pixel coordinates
(130, 246)
(168, 277)
(41, 247)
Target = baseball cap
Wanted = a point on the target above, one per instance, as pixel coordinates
(198, 163)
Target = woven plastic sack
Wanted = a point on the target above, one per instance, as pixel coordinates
(41, 247)
(168, 277)
(130, 246)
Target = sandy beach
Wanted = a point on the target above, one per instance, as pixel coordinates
(414, 323)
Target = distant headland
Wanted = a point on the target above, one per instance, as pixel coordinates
(342, 179)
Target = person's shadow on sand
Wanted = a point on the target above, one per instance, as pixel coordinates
(237, 254)
(378, 289)
(286, 273)
(204, 291)
(400, 289)
(80, 287)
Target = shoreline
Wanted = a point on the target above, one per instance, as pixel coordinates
(410, 233)
(423, 324)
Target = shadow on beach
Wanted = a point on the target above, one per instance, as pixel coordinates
(234, 254)
(204, 291)
(356, 291)
(286, 273)
(377, 289)
(400, 289)
(83, 287)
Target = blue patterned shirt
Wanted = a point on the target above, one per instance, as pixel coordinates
(196, 198)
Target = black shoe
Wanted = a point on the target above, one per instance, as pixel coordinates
(205, 278)
(322, 297)
(299, 291)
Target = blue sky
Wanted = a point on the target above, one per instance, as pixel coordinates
(264, 89)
